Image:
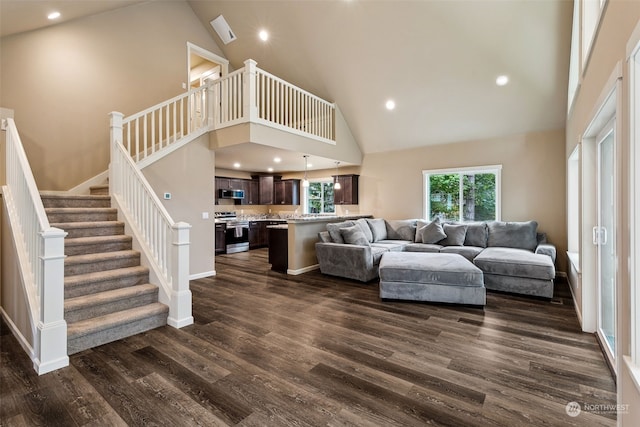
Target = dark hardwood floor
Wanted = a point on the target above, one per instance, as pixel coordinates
(268, 349)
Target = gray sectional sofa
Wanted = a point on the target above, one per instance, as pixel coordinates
(513, 256)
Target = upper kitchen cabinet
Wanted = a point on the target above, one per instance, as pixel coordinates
(287, 192)
(265, 186)
(252, 195)
(348, 193)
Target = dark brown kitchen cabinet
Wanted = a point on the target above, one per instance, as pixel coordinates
(221, 246)
(252, 195)
(287, 192)
(265, 184)
(256, 234)
(348, 193)
(279, 249)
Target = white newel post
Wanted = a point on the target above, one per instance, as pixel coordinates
(115, 137)
(51, 351)
(180, 305)
(250, 105)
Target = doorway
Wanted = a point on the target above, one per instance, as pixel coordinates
(604, 237)
(202, 67)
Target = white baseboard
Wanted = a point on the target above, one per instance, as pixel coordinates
(202, 275)
(22, 340)
(303, 270)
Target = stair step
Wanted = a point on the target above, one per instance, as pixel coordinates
(59, 215)
(99, 189)
(96, 244)
(96, 331)
(87, 229)
(64, 200)
(89, 263)
(102, 303)
(101, 281)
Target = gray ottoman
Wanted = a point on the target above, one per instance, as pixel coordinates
(436, 277)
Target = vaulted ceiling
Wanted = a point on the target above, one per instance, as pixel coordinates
(438, 60)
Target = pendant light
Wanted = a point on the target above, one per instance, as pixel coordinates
(337, 185)
(305, 181)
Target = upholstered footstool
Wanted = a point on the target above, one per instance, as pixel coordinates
(435, 277)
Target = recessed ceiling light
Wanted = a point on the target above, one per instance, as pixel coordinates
(236, 165)
(502, 80)
(277, 159)
(310, 165)
(53, 15)
(264, 35)
(269, 169)
(390, 104)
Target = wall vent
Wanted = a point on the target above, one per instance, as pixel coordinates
(223, 30)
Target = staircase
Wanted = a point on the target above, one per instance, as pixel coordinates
(106, 290)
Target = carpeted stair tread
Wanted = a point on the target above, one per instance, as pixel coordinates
(95, 244)
(102, 303)
(90, 228)
(78, 214)
(87, 263)
(100, 330)
(64, 200)
(99, 281)
(99, 189)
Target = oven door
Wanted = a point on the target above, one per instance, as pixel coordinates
(237, 238)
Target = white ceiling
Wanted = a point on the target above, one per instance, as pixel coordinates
(437, 59)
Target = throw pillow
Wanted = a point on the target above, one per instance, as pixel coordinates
(401, 229)
(362, 223)
(433, 232)
(455, 234)
(334, 230)
(378, 228)
(324, 237)
(420, 224)
(354, 236)
(517, 235)
(477, 234)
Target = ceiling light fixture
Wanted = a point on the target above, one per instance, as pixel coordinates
(305, 181)
(502, 80)
(269, 169)
(53, 15)
(337, 185)
(236, 165)
(264, 35)
(277, 159)
(390, 104)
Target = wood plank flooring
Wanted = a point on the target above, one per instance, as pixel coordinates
(268, 349)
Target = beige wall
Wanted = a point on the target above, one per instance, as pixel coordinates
(533, 179)
(188, 174)
(618, 22)
(63, 80)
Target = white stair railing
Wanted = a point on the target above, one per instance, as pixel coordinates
(163, 125)
(40, 253)
(164, 242)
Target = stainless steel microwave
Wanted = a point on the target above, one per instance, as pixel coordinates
(230, 194)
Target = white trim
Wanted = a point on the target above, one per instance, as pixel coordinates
(303, 270)
(202, 275)
(192, 48)
(634, 371)
(634, 200)
(22, 340)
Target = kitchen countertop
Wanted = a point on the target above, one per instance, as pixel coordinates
(279, 226)
(325, 218)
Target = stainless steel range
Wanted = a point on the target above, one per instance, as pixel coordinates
(237, 232)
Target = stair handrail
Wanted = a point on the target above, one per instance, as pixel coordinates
(162, 125)
(40, 254)
(165, 241)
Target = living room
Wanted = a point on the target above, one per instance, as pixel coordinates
(83, 60)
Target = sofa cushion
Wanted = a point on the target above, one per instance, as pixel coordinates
(455, 234)
(443, 269)
(324, 237)
(401, 229)
(334, 230)
(378, 228)
(518, 235)
(390, 245)
(433, 232)
(469, 252)
(419, 226)
(377, 254)
(477, 234)
(515, 262)
(364, 225)
(354, 236)
(422, 247)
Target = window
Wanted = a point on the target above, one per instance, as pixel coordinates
(471, 194)
(319, 197)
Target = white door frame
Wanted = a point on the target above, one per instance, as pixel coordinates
(210, 56)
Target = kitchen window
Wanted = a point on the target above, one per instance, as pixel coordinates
(470, 194)
(319, 197)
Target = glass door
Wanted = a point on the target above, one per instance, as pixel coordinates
(604, 237)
